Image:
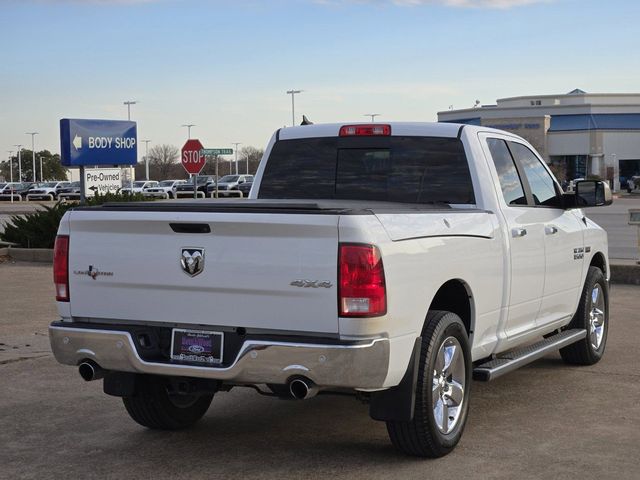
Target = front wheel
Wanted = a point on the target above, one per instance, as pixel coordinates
(155, 406)
(592, 316)
(442, 391)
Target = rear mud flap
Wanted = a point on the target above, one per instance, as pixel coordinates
(397, 404)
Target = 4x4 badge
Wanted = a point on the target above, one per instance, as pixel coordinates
(192, 261)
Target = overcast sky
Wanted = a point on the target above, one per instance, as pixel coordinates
(225, 65)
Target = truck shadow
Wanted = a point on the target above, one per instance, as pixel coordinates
(274, 433)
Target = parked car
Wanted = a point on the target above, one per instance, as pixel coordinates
(186, 189)
(138, 186)
(43, 190)
(8, 187)
(245, 187)
(392, 262)
(17, 188)
(229, 182)
(70, 191)
(165, 187)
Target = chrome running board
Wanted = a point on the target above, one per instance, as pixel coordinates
(509, 361)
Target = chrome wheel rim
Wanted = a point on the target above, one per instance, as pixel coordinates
(448, 385)
(596, 317)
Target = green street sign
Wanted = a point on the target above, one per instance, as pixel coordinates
(216, 151)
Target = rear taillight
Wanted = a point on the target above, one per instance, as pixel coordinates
(61, 267)
(362, 291)
(373, 129)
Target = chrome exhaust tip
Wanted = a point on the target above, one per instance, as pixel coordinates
(302, 389)
(90, 371)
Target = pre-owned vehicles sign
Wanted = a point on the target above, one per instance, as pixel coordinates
(102, 180)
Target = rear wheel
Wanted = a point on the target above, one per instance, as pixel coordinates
(592, 316)
(442, 391)
(155, 406)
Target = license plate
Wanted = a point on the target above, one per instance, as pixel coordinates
(196, 346)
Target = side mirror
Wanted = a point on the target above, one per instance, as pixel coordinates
(592, 193)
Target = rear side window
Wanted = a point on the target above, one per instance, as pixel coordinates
(540, 181)
(510, 182)
(393, 169)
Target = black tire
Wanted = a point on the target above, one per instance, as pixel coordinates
(153, 407)
(585, 352)
(422, 437)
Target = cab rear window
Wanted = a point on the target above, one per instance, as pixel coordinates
(393, 169)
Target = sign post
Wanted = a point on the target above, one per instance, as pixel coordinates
(215, 152)
(634, 219)
(97, 143)
(193, 161)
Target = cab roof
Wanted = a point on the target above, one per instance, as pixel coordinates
(427, 129)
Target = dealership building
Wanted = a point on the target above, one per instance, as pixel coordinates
(579, 134)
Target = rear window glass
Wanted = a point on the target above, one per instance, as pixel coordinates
(394, 169)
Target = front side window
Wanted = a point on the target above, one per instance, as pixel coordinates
(510, 182)
(540, 181)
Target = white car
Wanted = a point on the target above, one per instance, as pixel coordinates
(165, 188)
(7, 187)
(394, 262)
(44, 190)
(139, 186)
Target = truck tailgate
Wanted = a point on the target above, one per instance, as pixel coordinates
(126, 265)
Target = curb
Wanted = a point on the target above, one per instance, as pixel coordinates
(39, 255)
(625, 274)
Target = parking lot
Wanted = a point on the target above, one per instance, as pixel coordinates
(544, 421)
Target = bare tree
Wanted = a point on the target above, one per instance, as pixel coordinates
(163, 158)
(254, 154)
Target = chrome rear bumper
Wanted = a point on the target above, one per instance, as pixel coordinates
(360, 365)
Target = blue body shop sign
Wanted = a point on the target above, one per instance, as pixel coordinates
(98, 142)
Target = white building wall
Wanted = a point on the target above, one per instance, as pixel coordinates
(624, 145)
(568, 143)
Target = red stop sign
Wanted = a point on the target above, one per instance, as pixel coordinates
(192, 161)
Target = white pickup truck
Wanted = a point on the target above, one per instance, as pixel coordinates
(394, 262)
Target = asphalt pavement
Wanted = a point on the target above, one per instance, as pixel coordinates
(546, 421)
(623, 238)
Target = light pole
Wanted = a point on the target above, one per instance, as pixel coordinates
(293, 105)
(128, 103)
(247, 157)
(19, 147)
(235, 151)
(372, 115)
(189, 125)
(146, 158)
(33, 155)
(10, 152)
